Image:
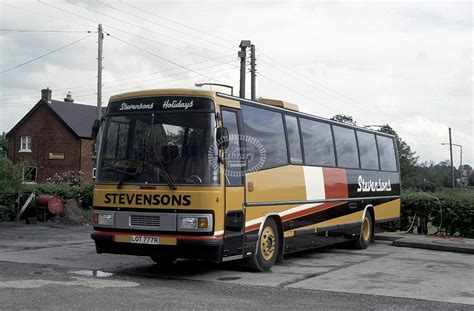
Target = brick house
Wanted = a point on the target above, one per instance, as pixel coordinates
(54, 137)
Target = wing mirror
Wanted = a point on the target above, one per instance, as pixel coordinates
(95, 128)
(222, 137)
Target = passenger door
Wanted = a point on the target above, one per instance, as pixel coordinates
(234, 185)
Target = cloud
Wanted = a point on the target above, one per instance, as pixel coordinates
(408, 64)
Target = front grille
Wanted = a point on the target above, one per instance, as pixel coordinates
(144, 221)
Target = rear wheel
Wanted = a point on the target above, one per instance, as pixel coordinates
(365, 233)
(267, 248)
(164, 261)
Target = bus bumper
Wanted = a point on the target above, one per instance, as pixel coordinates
(182, 247)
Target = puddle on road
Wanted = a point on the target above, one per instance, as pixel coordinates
(229, 278)
(94, 273)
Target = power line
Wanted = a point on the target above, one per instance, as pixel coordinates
(46, 15)
(124, 31)
(41, 56)
(177, 23)
(337, 94)
(152, 79)
(46, 31)
(156, 55)
(162, 82)
(122, 89)
(121, 79)
(13, 102)
(308, 84)
(140, 27)
(296, 92)
(161, 25)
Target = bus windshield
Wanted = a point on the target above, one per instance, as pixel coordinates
(159, 148)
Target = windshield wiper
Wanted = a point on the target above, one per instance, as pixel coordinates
(164, 172)
(126, 175)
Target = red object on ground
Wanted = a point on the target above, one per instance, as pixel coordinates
(54, 204)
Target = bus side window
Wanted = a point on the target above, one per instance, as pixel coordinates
(386, 153)
(294, 142)
(368, 151)
(318, 145)
(233, 160)
(346, 147)
(265, 127)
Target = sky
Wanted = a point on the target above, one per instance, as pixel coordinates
(408, 64)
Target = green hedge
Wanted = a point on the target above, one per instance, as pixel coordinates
(457, 209)
(10, 185)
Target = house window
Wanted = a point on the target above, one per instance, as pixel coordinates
(25, 145)
(29, 174)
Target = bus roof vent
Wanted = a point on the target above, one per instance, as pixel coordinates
(279, 103)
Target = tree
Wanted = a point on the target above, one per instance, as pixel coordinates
(3, 145)
(408, 159)
(470, 180)
(344, 118)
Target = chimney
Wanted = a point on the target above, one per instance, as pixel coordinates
(69, 98)
(46, 94)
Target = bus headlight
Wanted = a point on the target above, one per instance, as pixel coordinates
(195, 222)
(105, 219)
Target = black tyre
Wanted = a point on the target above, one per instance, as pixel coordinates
(267, 248)
(164, 261)
(365, 233)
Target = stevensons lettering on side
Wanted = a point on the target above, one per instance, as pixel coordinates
(161, 103)
(373, 186)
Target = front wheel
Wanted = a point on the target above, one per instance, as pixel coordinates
(267, 248)
(365, 233)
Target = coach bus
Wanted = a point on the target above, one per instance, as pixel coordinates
(204, 175)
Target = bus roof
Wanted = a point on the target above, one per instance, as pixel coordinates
(153, 92)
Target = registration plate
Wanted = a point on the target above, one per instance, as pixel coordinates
(141, 239)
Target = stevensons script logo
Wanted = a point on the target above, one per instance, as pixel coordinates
(373, 186)
(177, 104)
(139, 106)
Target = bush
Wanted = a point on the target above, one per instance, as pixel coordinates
(10, 185)
(72, 178)
(457, 211)
(85, 195)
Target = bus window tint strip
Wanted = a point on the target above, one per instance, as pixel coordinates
(267, 128)
(161, 104)
(386, 153)
(318, 143)
(346, 147)
(294, 143)
(367, 150)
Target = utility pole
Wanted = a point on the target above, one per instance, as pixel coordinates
(253, 73)
(461, 168)
(244, 44)
(451, 155)
(99, 82)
